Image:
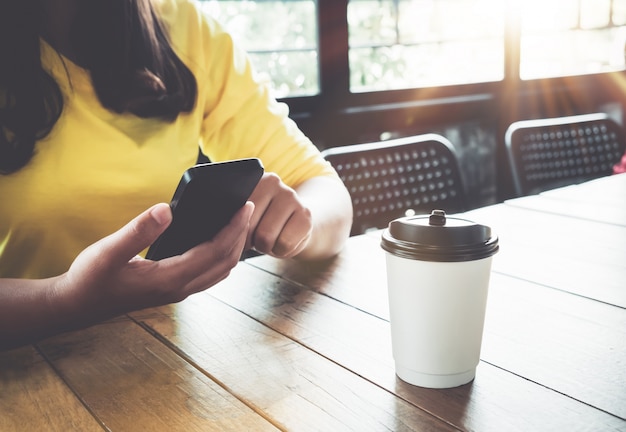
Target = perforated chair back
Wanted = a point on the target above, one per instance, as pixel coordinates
(394, 178)
(554, 152)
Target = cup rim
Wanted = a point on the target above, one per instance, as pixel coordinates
(434, 253)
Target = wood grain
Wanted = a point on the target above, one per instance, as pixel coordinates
(34, 398)
(360, 342)
(294, 386)
(130, 381)
(353, 277)
(568, 343)
(599, 211)
(585, 258)
(605, 190)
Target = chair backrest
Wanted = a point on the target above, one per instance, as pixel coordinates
(549, 153)
(398, 177)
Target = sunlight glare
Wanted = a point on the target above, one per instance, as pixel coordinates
(542, 15)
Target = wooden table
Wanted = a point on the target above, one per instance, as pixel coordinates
(282, 345)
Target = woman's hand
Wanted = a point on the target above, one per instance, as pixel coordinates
(108, 279)
(311, 221)
(109, 275)
(281, 225)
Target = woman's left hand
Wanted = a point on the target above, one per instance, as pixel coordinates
(281, 225)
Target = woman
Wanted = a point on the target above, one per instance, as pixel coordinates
(103, 105)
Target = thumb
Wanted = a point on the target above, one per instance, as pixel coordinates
(136, 235)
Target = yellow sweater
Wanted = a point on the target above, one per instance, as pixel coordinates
(97, 169)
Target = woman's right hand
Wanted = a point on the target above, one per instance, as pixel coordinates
(108, 279)
(109, 276)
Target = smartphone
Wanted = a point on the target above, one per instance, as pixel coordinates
(207, 197)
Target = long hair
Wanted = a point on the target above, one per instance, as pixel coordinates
(120, 42)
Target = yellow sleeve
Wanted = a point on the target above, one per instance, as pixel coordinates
(240, 116)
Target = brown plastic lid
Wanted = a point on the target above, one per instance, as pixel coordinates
(437, 237)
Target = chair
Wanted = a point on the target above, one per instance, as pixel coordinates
(549, 153)
(398, 177)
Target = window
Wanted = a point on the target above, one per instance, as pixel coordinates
(398, 44)
(280, 36)
(572, 37)
(405, 44)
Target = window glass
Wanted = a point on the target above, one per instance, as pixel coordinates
(403, 44)
(571, 37)
(280, 37)
(398, 44)
(619, 12)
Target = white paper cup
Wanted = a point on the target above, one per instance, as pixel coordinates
(438, 279)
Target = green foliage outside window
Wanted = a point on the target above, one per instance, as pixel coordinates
(281, 38)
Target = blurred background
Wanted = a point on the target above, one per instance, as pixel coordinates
(355, 71)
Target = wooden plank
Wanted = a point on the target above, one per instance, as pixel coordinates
(568, 343)
(579, 256)
(353, 277)
(609, 191)
(597, 212)
(34, 398)
(295, 387)
(578, 239)
(131, 381)
(496, 400)
(582, 257)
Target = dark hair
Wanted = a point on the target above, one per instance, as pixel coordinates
(120, 42)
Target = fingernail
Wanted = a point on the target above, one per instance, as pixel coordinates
(161, 213)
